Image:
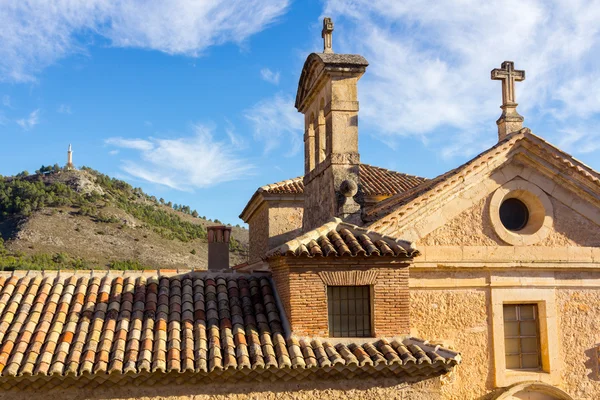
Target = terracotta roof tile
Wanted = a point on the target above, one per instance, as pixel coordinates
(375, 181)
(82, 329)
(340, 239)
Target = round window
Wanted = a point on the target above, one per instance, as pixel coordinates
(514, 214)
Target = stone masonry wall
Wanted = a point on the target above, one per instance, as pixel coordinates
(579, 311)
(304, 295)
(259, 233)
(458, 319)
(473, 228)
(368, 389)
(319, 200)
(285, 222)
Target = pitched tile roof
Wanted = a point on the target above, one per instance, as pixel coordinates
(87, 329)
(375, 181)
(378, 181)
(341, 239)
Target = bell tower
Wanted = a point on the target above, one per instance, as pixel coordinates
(328, 97)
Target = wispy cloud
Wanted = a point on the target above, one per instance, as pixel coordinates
(32, 120)
(277, 123)
(270, 76)
(136, 144)
(36, 34)
(6, 100)
(184, 163)
(64, 109)
(429, 64)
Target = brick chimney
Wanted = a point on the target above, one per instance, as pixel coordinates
(218, 247)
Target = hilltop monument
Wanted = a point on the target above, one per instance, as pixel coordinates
(70, 165)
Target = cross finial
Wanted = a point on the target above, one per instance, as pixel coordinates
(510, 121)
(508, 75)
(326, 34)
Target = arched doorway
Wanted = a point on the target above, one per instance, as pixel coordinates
(533, 391)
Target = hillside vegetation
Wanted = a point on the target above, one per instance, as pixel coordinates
(85, 219)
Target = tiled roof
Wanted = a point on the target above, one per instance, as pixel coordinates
(380, 181)
(375, 181)
(340, 239)
(84, 330)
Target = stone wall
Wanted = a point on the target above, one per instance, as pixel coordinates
(259, 233)
(455, 311)
(367, 389)
(459, 320)
(319, 199)
(473, 228)
(579, 311)
(302, 289)
(285, 222)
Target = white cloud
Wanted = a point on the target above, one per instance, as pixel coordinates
(136, 144)
(36, 34)
(32, 120)
(184, 163)
(64, 109)
(113, 152)
(276, 122)
(429, 73)
(270, 76)
(6, 100)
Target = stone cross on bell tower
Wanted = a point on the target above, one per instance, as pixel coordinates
(327, 34)
(510, 121)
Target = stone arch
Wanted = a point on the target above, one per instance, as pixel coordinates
(533, 391)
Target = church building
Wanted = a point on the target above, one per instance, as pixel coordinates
(363, 283)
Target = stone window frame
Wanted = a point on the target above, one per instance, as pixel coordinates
(541, 212)
(548, 328)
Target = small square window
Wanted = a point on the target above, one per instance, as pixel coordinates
(522, 336)
(349, 309)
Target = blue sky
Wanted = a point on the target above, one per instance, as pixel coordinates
(194, 101)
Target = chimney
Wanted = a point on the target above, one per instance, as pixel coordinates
(218, 247)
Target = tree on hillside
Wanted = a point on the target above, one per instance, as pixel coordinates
(195, 214)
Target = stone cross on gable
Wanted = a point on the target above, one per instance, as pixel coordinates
(510, 121)
(508, 75)
(326, 34)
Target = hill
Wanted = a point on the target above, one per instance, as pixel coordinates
(84, 219)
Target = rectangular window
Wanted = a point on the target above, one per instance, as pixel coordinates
(349, 309)
(522, 336)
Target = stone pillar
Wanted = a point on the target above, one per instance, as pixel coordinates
(218, 247)
(510, 121)
(309, 147)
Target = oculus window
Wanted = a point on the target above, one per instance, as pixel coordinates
(514, 214)
(522, 336)
(349, 311)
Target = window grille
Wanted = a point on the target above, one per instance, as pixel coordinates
(349, 309)
(522, 336)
